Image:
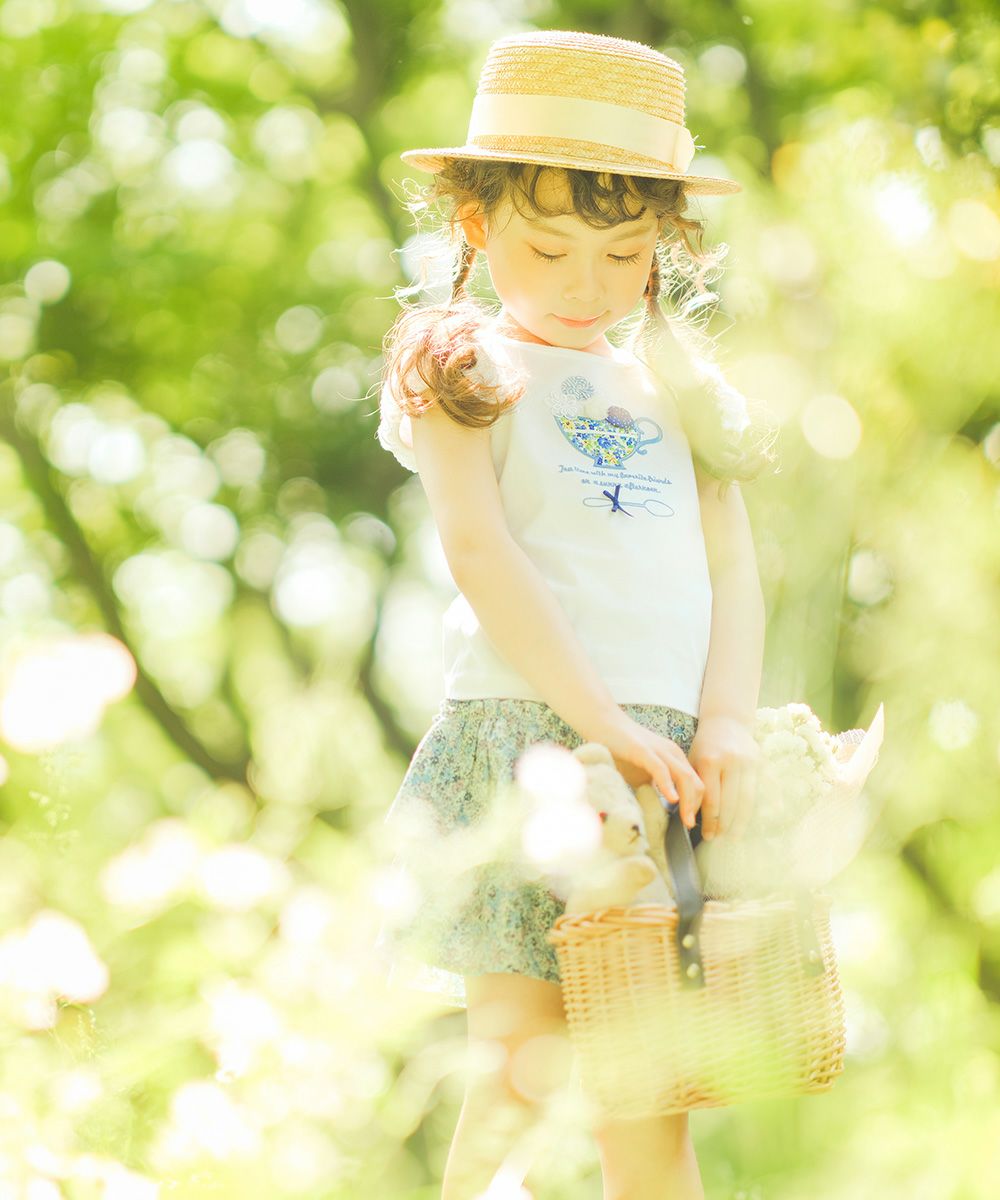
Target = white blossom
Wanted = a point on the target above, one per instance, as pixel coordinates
(797, 766)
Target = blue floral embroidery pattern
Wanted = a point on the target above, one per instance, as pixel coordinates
(608, 441)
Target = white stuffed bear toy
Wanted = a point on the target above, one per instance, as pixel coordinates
(621, 871)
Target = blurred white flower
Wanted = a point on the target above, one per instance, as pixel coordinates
(238, 877)
(809, 817)
(797, 765)
(50, 958)
(153, 872)
(54, 690)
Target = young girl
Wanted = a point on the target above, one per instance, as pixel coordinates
(586, 495)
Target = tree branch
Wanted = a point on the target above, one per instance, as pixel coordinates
(64, 525)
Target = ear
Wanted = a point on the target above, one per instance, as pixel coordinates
(473, 225)
(594, 752)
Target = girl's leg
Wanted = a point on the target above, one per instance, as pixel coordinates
(517, 1026)
(648, 1159)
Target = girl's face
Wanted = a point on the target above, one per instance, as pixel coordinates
(547, 268)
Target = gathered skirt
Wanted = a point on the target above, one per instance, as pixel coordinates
(469, 902)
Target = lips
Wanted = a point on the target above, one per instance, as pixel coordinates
(575, 321)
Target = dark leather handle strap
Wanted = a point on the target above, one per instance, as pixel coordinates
(691, 905)
(687, 888)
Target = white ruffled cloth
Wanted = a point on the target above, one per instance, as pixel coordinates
(395, 428)
(395, 431)
(731, 403)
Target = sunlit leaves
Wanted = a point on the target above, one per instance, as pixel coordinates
(201, 234)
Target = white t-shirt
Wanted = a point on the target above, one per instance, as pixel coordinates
(597, 483)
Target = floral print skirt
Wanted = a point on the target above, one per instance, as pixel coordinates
(466, 902)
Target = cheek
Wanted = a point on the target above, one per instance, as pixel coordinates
(516, 271)
(636, 276)
(530, 275)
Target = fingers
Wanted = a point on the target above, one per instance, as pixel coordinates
(662, 777)
(730, 785)
(733, 798)
(744, 807)
(690, 786)
(667, 766)
(687, 787)
(712, 777)
(631, 772)
(645, 768)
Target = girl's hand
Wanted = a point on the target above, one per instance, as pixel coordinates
(642, 756)
(725, 754)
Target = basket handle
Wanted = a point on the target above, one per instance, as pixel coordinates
(690, 901)
(691, 904)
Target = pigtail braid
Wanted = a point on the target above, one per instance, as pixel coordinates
(466, 261)
(732, 438)
(432, 355)
(652, 292)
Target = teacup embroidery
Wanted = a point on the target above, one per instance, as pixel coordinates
(611, 440)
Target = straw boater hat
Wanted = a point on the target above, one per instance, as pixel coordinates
(580, 100)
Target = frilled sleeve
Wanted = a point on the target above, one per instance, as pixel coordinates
(395, 432)
(732, 436)
(730, 403)
(394, 428)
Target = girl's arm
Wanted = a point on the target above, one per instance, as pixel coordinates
(736, 645)
(516, 608)
(520, 614)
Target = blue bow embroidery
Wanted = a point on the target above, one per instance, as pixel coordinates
(655, 507)
(615, 506)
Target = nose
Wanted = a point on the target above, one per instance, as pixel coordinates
(584, 287)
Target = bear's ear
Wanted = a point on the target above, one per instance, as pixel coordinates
(594, 752)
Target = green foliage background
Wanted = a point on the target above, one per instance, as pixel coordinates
(200, 232)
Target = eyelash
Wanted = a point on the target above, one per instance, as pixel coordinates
(621, 260)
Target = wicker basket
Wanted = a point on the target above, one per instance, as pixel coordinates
(707, 1004)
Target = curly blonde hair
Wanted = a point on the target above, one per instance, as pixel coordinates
(430, 349)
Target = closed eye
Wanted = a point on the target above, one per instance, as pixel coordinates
(631, 258)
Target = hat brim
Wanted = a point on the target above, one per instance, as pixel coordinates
(433, 158)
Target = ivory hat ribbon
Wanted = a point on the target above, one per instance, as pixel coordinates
(499, 114)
